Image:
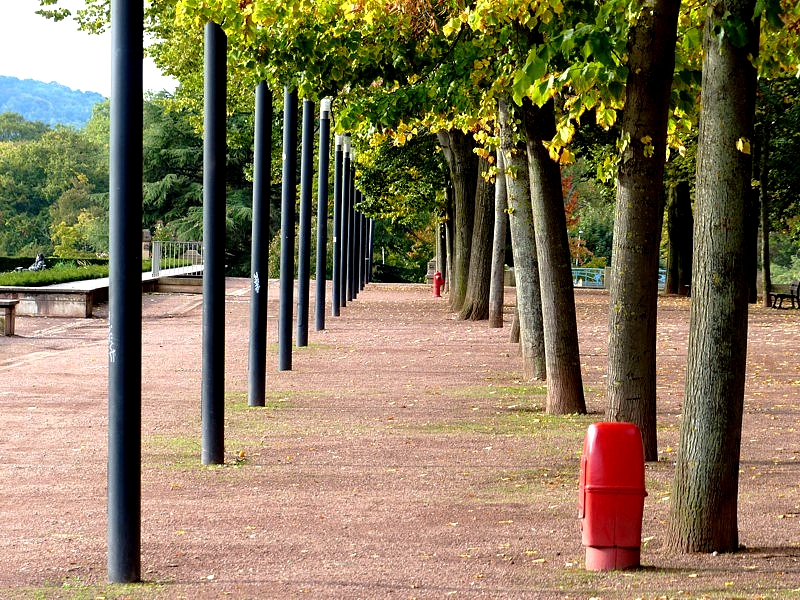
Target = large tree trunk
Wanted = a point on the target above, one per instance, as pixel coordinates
(631, 388)
(497, 282)
(703, 513)
(463, 164)
(476, 300)
(523, 247)
(763, 191)
(679, 234)
(562, 354)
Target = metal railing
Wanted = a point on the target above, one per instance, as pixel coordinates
(174, 255)
(596, 278)
(590, 278)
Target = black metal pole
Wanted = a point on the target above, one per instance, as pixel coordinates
(360, 251)
(288, 198)
(214, 157)
(363, 253)
(352, 266)
(304, 250)
(337, 228)
(322, 212)
(370, 249)
(259, 259)
(351, 230)
(125, 296)
(346, 198)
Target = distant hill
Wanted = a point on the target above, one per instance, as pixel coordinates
(50, 103)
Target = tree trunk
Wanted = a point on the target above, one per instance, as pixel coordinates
(679, 233)
(476, 300)
(562, 354)
(633, 306)
(513, 337)
(463, 164)
(523, 247)
(703, 513)
(763, 190)
(497, 283)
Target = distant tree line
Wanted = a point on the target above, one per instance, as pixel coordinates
(54, 183)
(51, 103)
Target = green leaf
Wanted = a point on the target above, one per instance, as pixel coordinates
(771, 9)
(535, 68)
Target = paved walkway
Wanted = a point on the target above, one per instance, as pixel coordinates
(401, 457)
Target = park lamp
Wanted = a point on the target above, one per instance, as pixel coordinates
(325, 108)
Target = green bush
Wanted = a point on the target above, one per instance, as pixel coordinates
(60, 272)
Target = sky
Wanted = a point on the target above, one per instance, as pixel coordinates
(32, 47)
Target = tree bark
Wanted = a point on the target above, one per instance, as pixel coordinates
(763, 191)
(513, 336)
(497, 283)
(476, 301)
(562, 354)
(523, 247)
(463, 164)
(633, 306)
(703, 513)
(679, 233)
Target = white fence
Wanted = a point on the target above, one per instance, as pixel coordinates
(173, 255)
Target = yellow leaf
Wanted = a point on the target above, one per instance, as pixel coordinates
(743, 145)
(647, 140)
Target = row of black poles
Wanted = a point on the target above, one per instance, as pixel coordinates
(352, 231)
(352, 251)
(352, 266)
(125, 291)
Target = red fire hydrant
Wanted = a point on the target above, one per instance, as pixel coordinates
(438, 283)
(611, 496)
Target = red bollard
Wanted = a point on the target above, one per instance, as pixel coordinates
(438, 283)
(611, 496)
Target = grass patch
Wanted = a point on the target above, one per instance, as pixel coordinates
(273, 348)
(509, 394)
(535, 481)
(184, 453)
(74, 588)
(253, 426)
(238, 401)
(519, 421)
(175, 452)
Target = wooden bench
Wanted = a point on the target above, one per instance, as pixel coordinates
(8, 310)
(792, 294)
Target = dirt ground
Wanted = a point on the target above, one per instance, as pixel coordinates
(401, 457)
